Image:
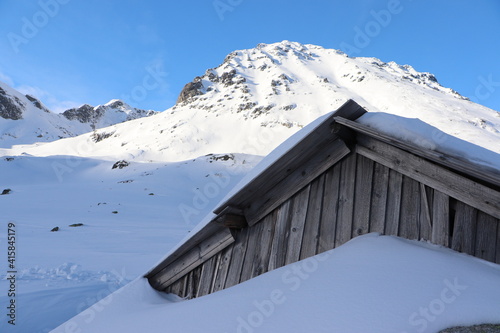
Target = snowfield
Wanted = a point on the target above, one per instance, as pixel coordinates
(371, 284)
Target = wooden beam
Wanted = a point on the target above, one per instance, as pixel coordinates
(164, 275)
(272, 197)
(480, 172)
(430, 174)
(290, 167)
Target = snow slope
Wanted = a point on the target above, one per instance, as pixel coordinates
(62, 273)
(259, 97)
(25, 120)
(371, 284)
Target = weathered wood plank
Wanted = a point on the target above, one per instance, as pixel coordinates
(433, 175)
(362, 196)
(206, 232)
(425, 223)
(193, 282)
(207, 276)
(237, 258)
(270, 199)
(458, 163)
(177, 288)
(498, 243)
(313, 218)
(393, 203)
(441, 219)
(410, 209)
(262, 254)
(222, 268)
(464, 230)
(193, 258)
(486, 240)
(328, 211)
(379, 198)
(254, 236)
(294, 158)
(280, 237)
(297, 224)
(346, 200)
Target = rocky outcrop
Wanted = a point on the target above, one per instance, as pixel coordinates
(10, 107)
(190, 90)
(84, 114)
(37, 103)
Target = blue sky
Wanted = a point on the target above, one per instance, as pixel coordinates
(69, 52)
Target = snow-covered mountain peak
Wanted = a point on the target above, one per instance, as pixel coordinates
(113, 112)
(25, 120)
(258, 97)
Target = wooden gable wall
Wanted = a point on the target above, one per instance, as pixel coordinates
(354, 197)
(353, 183)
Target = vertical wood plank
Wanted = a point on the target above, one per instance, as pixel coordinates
(264, 244)
(313, 218)
(486, 241)
(328, 221)
(346, 200)
(441, 219)
(362, 196)
(498, 242)
(297, 225)
(410, 209)
(425, 214)
(254, 236)
(393, 203)
(280, 237)
(464, 230)
(222, 268)
(237, 258)
(207, 276)
(379, 198)
(178, 287)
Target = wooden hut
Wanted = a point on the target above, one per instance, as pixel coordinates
(343, 179)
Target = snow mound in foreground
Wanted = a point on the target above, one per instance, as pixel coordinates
(371, 284)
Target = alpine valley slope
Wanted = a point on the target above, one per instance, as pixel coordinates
(25, 120)
(258, 97)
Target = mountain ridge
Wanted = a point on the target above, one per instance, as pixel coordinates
(25, 120)
(258, 97)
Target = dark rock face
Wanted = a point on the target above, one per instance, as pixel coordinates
(84, 114)
(120, 164)
(10, 108)
(190, 90)
(36, 103)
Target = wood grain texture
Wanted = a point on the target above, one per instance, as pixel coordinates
(328, 223)
(237, 258)
(269, 199)
(486, 237)
(207, 276)
(410, 209)
(346, 200)
(280, 237)
(379, 198)
(297, 224)
(362, 196)
(313, 218)
(441, 219)
(222, 268)
(393, 203)
(463, 189)
(478, 171)
(464, 230)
